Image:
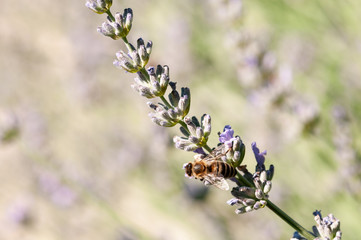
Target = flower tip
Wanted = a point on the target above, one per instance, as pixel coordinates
(259, 156)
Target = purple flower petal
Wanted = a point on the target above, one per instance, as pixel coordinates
(259, 156)
(227, 136)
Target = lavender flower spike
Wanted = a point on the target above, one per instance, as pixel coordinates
(259, 156)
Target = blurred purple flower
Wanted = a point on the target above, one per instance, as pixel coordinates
(58, 193)
(19, 213)
(227, 136)
(259, 156)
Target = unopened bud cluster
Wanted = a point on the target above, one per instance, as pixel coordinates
(154, 84)
(252, 198)
(235, 154)
(327, 228)
(99, 6)
(168, 116)
(197, 136)
(255, 197)
(120, 27)
(136, 59)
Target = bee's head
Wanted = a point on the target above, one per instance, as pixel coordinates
(188, 169)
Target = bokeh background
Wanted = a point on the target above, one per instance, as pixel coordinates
(80, 159)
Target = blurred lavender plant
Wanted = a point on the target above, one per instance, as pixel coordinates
(251, 192)
(9, 127)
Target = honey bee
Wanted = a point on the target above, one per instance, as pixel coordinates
(211, 169)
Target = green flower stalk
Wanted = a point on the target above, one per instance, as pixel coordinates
(223, 162)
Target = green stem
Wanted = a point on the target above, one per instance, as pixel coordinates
(166, 103)
(110, 15)
(243, 180)
(184, 125)
(308, 235)
(145, 74)
(125, 40)
(208, 148)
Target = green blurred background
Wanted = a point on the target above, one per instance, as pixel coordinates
(80, 159)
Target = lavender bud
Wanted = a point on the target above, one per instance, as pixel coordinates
(172, 113)
(236, 158)
(191, 148)
(183, 104)
(249, 208)
(184, 144)
(267, 187)
(141, 49)
(270, 172)
(148, 49)
(142, 52)
(161, 122)
(184, 131)
(191, 126)
(185, 100)
(248, 201)
(154, 83)
(238, 151)
(178, 111)
(258, 184)
(259, 194)
(174, 98)
(128, 16)
(261, 204)
(199, 132)
(243, 192)
(165, 115)
(206, 124)
(99, 6)
(335, 226)
(234, 201)
(143, 91)
(297, 236)
(193, 139)
(243, 209)
(164, 80)
(240, 210)
(152, 105)
(263, 176)
(257, 205)
(136, 58)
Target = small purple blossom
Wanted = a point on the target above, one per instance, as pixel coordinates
(227, 136)
(200, 151)
(259, 156)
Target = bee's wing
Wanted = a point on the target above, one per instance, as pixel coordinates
(216, 154)
(219, 182)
